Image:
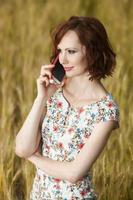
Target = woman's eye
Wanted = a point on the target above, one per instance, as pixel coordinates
(71, 51)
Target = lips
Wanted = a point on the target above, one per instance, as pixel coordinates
(68, 68)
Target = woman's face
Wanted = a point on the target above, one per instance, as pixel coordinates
(72, 55)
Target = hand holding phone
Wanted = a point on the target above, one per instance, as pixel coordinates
(58, 72)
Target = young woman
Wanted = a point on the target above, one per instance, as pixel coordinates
(75, 119)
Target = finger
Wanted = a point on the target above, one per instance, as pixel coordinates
(63, 82)
(46, 80)
(43, 67)
(43, 80)
(51, 81)
(45, 73)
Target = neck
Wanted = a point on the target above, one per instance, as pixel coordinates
(83, 86)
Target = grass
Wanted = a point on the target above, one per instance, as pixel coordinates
(24, 47)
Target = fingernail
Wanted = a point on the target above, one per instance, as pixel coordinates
(51, 81)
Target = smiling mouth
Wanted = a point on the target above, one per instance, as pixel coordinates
(68, 68)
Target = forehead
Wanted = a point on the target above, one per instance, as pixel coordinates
(70, 39)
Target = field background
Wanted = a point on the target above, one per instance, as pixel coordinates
(24, 47)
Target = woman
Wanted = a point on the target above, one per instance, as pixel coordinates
(74, 120)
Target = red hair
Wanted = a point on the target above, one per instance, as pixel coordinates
(92, 35)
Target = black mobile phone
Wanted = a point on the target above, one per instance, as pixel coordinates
(58, 72)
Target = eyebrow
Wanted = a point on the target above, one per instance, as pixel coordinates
(68, 48)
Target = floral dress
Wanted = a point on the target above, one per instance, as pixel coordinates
(64, 132)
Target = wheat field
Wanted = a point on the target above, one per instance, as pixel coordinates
(24, 46)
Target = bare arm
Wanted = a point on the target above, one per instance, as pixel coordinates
(92, 148)
(29, 135)
(73, 171)
(28, 138)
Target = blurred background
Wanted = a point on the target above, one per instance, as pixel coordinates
(25, 45)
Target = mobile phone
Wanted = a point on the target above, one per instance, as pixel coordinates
(58, 72)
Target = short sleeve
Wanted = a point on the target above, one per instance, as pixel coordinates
(109, 111)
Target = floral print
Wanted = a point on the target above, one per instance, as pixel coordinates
(64, 132)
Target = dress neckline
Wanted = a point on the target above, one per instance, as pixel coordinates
(105, 97)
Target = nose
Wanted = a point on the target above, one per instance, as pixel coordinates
(63, 58)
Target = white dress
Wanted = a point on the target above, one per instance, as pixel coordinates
(64, 132)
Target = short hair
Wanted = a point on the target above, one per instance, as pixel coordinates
(92, 34)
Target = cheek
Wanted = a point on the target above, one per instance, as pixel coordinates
(82, 61)
(77, 59)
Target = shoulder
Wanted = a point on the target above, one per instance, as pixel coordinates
(56, 96)
(108, 110)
